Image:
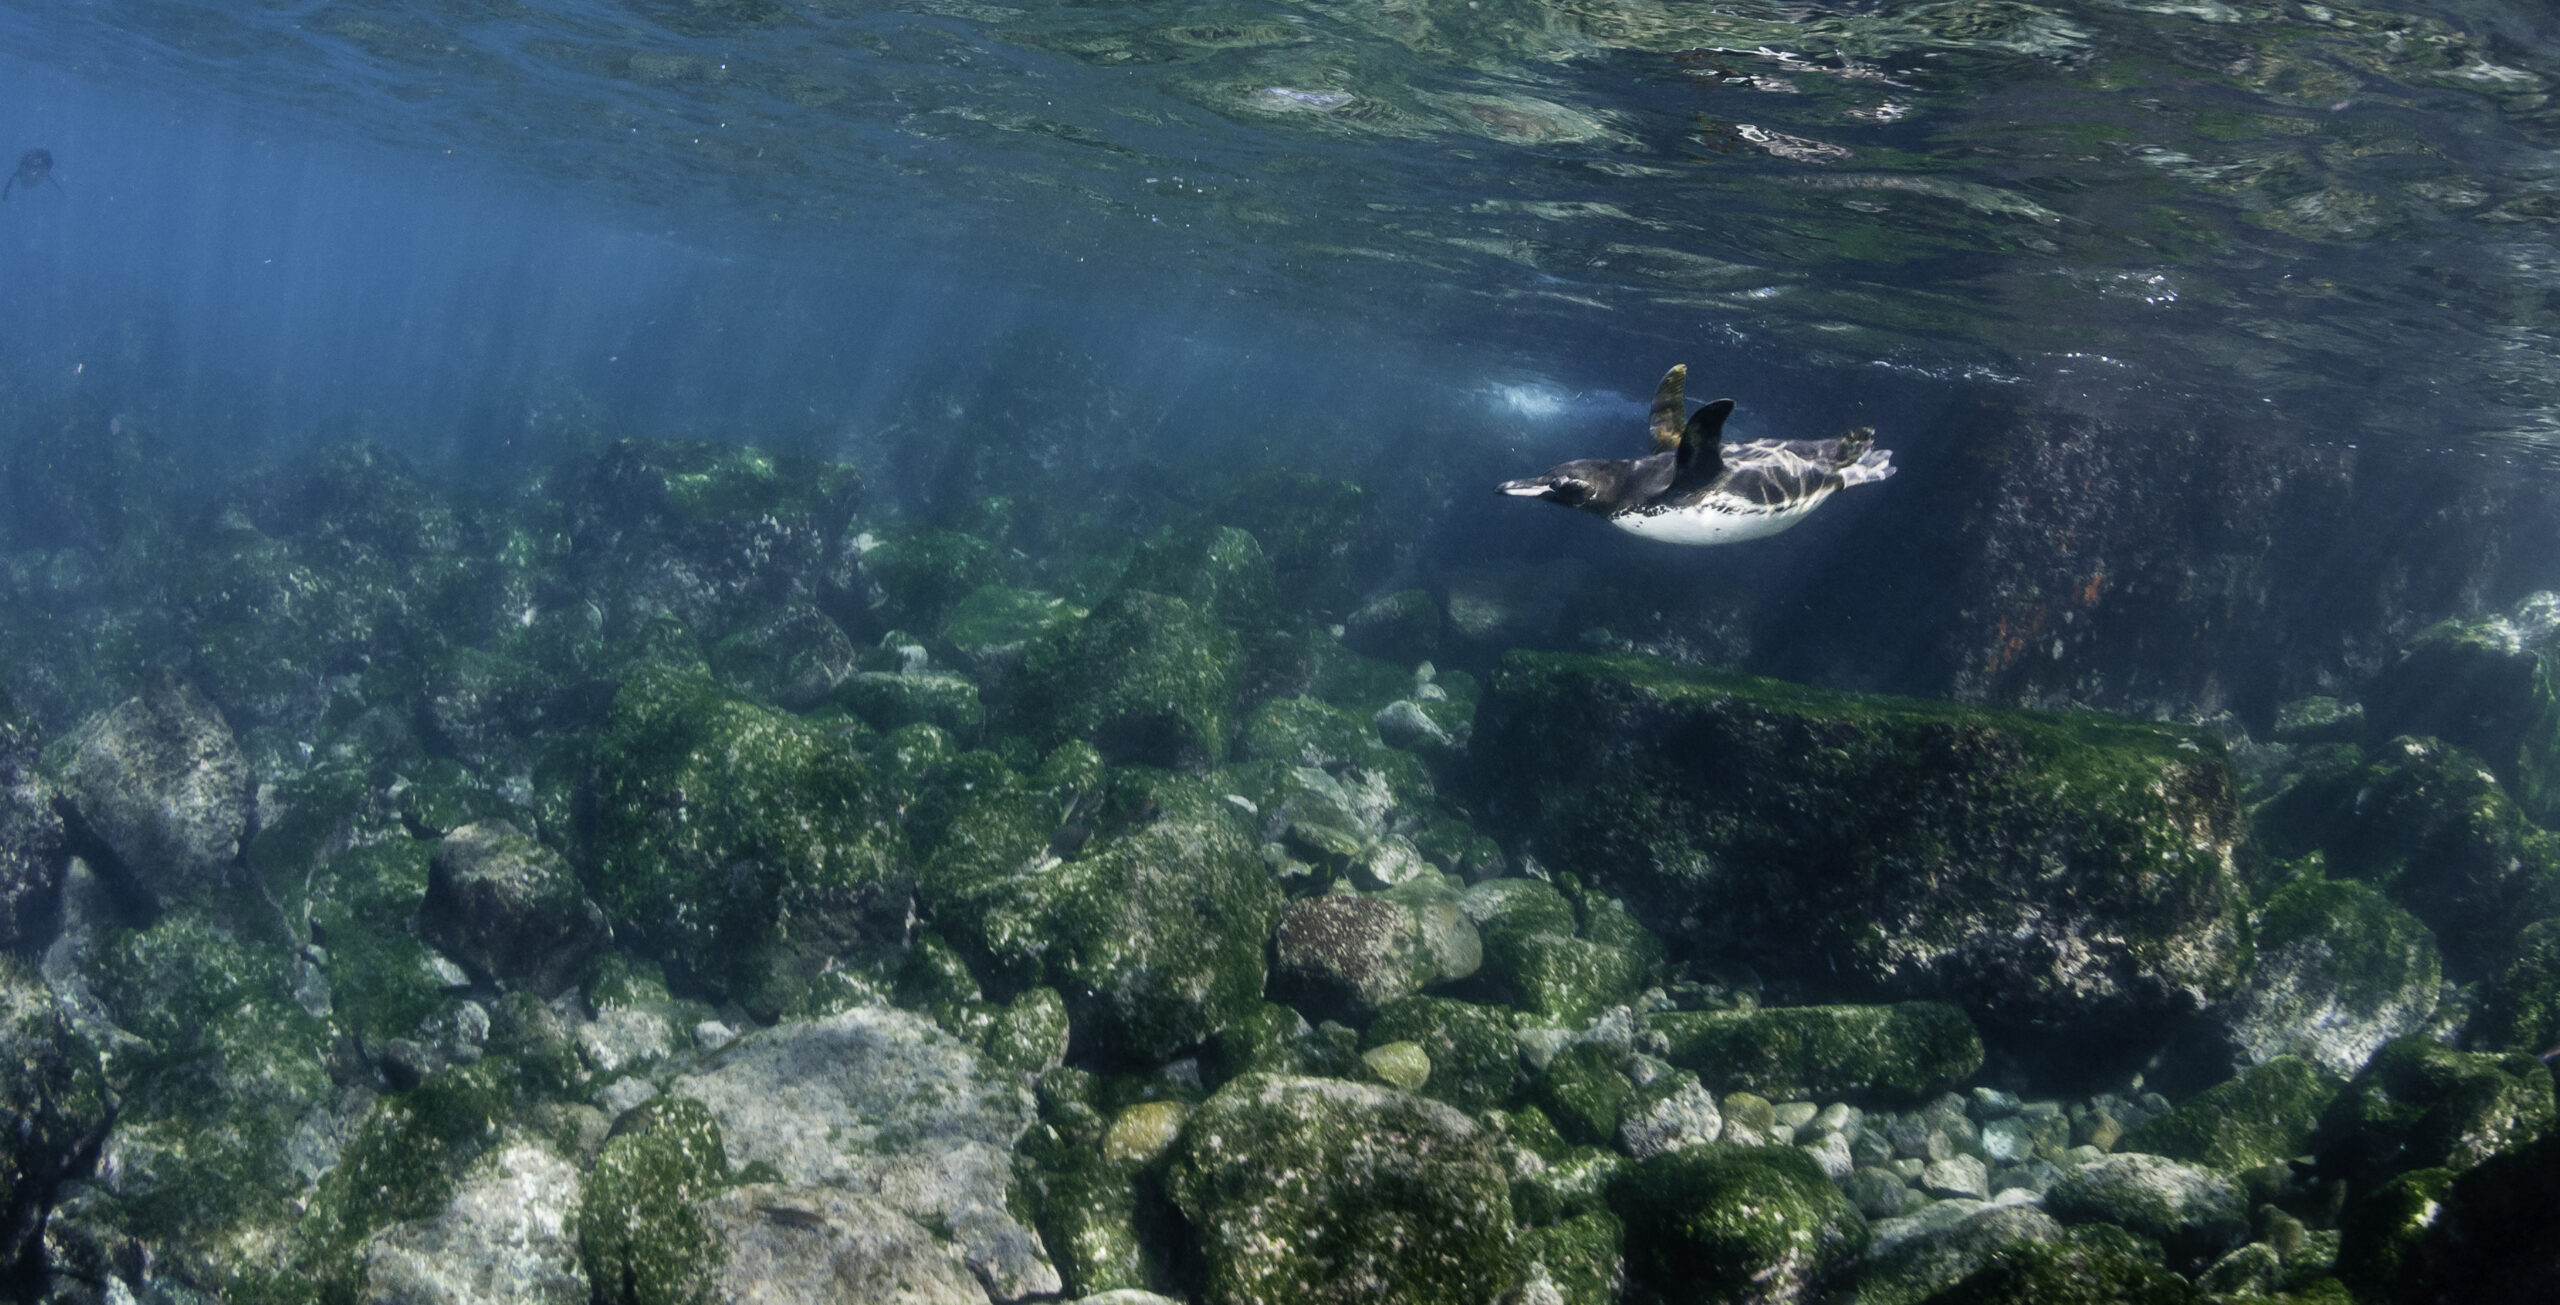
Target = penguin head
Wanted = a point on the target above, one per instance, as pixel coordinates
(1589, 483)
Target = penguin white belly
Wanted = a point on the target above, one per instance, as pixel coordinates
(1709, 525)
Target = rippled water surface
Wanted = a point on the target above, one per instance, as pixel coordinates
(2345, 212)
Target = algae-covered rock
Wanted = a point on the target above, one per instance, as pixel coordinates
(2340, 971)
(1735, 1223)
(1541, 960)
(161, 782)
(737, 840)
(992, 625)
(2088, 1265)
(2520, 1005)
(2489, 1237)
(1919, 1267)
(2429, 825)
(920, 575)
(1154, 933)
(1147, 678)
(1576, 1261)
(710, 534)
(881, 1101)
(2419, 1105)
(1905, 1050)
(642, 1236)
(1304, 732)
(891, 700)
(509, 909)
(1474, 1052)
(793, 659)
(2384, 1227)
(54, 1089)
(2057, 871)
(1319, 1190)
(2490, 685)
(2264, 1116)
(1584, 1091)
(2195, 1213)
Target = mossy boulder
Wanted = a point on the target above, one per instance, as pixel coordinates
(2428, 824)
(2263, 1116)
(2489, 1237)
(1154, 933)
(1147, 678)
(2419, 1105)
(1311, 528)
(1301, 731)
(793, 658)
(1319, 1190)
(2053, 870)
(1918, 1267)
(892, 700)
(503, 1231)
(2194, 1213)
(642, 1237)
(991, 627)
(2089, 1265)
(1475, 1054)
(2490, 685)
(710, 534)
(2520, 1004)
(2340, 971)
(738, 841)
(1735, 1223)
(1907, 1050)
(2383, 1228)
(1544, 957)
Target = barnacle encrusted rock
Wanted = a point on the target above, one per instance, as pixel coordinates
(160, 780)
(2340, 971)
(2052, 871)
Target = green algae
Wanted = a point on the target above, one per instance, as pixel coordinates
(2419, 1105)
(1540, 958)
(1729, 1222)
(1826, 1052)
(1147, 679)
(2520, 1005)
(1910, 841)
(737, 839)
(2264, 1116)
(1583, 1091)
(1324, 1191)
(1473, 1049)
(641, 1237)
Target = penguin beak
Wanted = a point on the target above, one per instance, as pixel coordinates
(1551, 487)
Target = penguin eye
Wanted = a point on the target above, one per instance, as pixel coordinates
(1570, 491)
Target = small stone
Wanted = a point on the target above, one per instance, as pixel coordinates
(1992, 1103)
(1403, 724)
(712, 1035)
(619, 1096)
(1910, 1168)
(2098, 1129)
(1961, 1175)
(1403, 1066)
(1748, 1119)
(1871, 1149)
(1940, 1145)
(1842, 1118)
(1797, 1114)
(445, 974)
(1878, 1192)
(1832, 1153)
(1669, 1115)
(1388, 862)
(2007, 1140)
(1142, 1132)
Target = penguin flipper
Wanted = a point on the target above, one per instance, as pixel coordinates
(1701, 456)
(1667, 403)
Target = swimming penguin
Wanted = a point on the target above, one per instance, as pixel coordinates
(1696, 489)
(35, 167)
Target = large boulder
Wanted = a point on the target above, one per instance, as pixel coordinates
(2419, 1105)
(2340, 971)
(2520, 1005)
(1317, 1190)
(781, 1245)
(2491, 685)
(1824, 1052)
(2263, 1116)
(1155, 931)
(503, 1239)
(2194, 1213)
(160, 780)
(2428, 824)
(883, 1103)
(1751, 1225)
(2055, 872)
(739, 841)
(1147, 678)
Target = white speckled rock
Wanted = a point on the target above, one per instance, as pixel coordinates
(161, 780)
(2195, 1213)
(1961, 1175)
(1831, 1151)
(501, 1241)
(884, 1103)
(1681, 1114)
